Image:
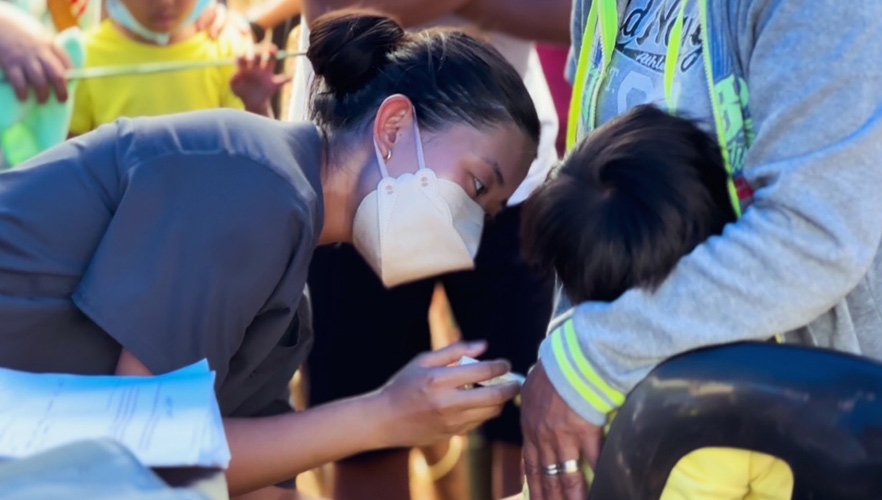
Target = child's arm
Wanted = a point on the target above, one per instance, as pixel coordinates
(255, 82)
(421, 404)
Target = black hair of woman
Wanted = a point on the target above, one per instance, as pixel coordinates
(360, 57)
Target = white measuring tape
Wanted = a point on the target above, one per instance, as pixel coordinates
(160, 67)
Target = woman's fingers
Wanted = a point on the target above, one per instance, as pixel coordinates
(451, 354)
(465, 409)
(429, 403)
(479, 397)
(472, 418)
(458, 376)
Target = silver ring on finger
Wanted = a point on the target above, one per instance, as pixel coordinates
(569, 467)
(551, 470)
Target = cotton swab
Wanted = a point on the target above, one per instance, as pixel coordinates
(502, 379)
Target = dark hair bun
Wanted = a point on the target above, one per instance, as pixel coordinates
(348, 48)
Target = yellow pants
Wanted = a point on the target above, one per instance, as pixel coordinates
(725, 474)
(729, 474)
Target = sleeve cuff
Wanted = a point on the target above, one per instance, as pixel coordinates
(574, 378)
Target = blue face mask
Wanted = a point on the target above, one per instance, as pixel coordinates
(119, 13)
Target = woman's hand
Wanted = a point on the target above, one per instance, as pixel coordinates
(554, 434)
(427, 400)
(255, 82)
(30, 58)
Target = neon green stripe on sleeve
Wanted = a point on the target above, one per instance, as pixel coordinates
(585, 367)
(587, 393)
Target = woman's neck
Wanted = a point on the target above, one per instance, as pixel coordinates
(346, 180)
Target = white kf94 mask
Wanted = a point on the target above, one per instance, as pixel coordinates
(416, 226)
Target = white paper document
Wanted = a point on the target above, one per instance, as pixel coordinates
(166, 420)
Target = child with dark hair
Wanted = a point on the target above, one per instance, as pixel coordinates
(628, 202)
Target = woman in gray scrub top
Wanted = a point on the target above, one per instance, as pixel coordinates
(152, 243)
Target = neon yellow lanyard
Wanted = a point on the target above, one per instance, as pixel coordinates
(605, 12)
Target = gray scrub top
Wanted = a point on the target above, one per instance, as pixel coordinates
(179, 237)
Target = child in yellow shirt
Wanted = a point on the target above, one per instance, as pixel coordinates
(139, 31)
(630, 200)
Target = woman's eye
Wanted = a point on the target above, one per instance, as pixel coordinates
(479, 187)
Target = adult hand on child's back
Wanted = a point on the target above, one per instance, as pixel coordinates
(30, 58)
(427, 400)
(554, 434)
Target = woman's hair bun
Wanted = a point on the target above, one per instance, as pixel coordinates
(347, 48)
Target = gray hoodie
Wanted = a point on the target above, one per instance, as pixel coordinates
(803, 260)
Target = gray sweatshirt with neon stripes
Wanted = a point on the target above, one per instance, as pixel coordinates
(804, 259)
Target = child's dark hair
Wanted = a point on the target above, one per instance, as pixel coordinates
(631, 200)
(361, 57)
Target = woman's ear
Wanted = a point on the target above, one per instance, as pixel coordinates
(394, 116)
